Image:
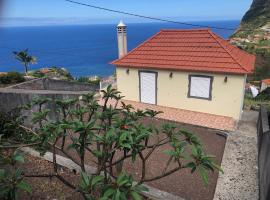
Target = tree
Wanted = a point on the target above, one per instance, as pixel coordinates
(25, 59)
(112, 133)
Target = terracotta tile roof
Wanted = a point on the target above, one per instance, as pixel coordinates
(266, 81)
(189, 50)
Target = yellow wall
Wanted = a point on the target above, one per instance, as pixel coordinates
(227, 98)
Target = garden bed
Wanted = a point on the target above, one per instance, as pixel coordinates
(46, 187)
(161, 152)
(182, 183)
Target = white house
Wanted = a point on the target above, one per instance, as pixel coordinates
(192, 69)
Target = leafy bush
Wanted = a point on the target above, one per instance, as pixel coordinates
(36, 74)
(52, 72)
(61, 72)
(10, 122)
(113, 135)
(264, 95)
(11, 177)
(84, 79)
(11, 78)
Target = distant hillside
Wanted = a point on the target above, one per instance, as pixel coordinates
(253, 35)
(258, 14)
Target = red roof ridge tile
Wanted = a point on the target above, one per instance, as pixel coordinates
(184, 30)
(195, 61)
(188, 55)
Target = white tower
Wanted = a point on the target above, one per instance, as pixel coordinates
(122, 39)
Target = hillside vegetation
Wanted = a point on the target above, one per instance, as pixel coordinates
(253, 35)
(258, 14)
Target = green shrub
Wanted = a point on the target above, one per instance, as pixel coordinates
(61, 71)
(107, 131)
(264, 95)
(84, 79)
(52, 72)
(11, 77)
(10, 123)
(36, 74)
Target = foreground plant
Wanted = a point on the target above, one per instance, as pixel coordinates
(113, 133)
(11, 176)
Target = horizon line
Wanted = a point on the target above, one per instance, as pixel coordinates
(49, 24)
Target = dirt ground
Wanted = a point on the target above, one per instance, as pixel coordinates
(48, 188)
(182, 183)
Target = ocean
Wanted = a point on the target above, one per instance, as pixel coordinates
(85, 50)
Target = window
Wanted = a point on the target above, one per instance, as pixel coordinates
(200, 87)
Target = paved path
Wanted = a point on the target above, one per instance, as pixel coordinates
(186, 116)
(239, 163)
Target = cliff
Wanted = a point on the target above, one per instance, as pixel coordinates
(253, 36)
(258, 15)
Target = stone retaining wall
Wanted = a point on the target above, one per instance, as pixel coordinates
(264, 154)
(51, 84)
(23, 93)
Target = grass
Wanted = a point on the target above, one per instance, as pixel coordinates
(251, 102)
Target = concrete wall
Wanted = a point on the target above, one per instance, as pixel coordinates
(23, 93)
(51, 84)
(227, 97)
(10, 99)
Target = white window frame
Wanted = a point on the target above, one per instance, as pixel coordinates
(210, 87)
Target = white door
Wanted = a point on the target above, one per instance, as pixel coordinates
(148, 87)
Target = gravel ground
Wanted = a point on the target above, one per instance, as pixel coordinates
(182, 183)
(239, 163)
(48, 188)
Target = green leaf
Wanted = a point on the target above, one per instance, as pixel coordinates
(2, 173)
(135, 195)
(117, 195)
(96, 180)
(24, 186)
(169, 152)
(88, 197)
(18, 173)
(85, 181)
(204, 175)
(190, 165)
(122, 177)
(18, 158)
(109, 192)
(97, 153)
(217, 167)
(140, 188)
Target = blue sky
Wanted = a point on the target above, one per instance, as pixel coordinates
(37, 12)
